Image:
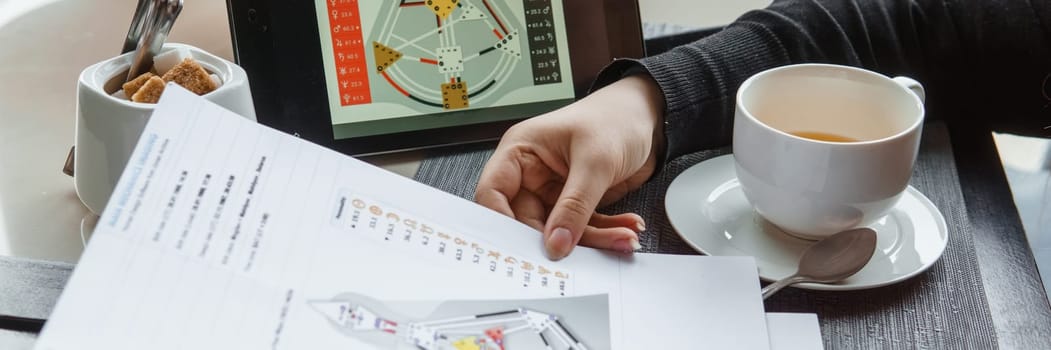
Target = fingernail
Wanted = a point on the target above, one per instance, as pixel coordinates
(559, 243)
(640, 226)
(626, 245)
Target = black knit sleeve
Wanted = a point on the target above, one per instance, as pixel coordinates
(981, 61)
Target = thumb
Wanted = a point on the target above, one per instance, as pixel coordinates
(569, 217)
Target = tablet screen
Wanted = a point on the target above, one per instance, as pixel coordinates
(400, 66)
(373, 76)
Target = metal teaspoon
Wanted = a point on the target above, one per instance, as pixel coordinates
(131, 40)
(159, 23)
(830, 260)
(138, 25)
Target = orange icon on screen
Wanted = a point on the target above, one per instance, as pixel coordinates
(494, 254)
(426, 229)
(384, 55)
(442, 235)
(410, 223)
(442, 8)
(510, 260)
(542, 270)
(375, 210)
(527, 266)
(357, 203)
(393, 216)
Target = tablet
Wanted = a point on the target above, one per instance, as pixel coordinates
(373, 76)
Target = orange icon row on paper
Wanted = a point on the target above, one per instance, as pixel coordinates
(424, 228)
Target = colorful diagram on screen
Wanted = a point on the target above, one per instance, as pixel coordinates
(444, 55)
(453, 54)
(392, 65)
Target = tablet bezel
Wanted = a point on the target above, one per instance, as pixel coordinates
(278, 44)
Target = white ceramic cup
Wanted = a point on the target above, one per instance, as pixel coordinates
(108, 128)
(815, 188)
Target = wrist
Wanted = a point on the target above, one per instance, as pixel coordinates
(631, 111)
(651, 112)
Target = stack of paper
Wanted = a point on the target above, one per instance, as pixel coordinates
(222, 233)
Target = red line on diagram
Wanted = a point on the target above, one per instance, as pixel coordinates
(391, 81)
(497, 18)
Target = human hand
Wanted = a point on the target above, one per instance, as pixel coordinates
(551, 172)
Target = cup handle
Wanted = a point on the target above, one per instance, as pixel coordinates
(913, 86)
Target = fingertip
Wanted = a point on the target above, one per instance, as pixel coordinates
(629, 221)
(621, 239)
(559, 243)
(626, 245)
(638, 223)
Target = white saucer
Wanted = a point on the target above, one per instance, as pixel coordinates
(706, 206)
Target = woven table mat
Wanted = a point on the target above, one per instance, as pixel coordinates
(944, 307)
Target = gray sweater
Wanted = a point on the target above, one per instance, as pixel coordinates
(984, 62)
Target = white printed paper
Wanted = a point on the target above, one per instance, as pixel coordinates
(790, 331)
(221, 232)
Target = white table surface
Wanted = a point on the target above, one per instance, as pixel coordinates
(44, 44)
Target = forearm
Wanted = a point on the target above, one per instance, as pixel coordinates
(963, 51)
(878, 35)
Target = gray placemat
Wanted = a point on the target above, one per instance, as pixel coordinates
(29, 288)
(944, 307)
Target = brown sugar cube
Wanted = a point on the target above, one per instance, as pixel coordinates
(131, 87)
(190, 75)
(150, 92)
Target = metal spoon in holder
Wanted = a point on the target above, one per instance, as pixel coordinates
(150, 25)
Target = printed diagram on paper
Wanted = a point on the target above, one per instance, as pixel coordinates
(469, 324)
(456, 54)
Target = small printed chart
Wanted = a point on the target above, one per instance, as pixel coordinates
(425, 240)
(439, 55)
